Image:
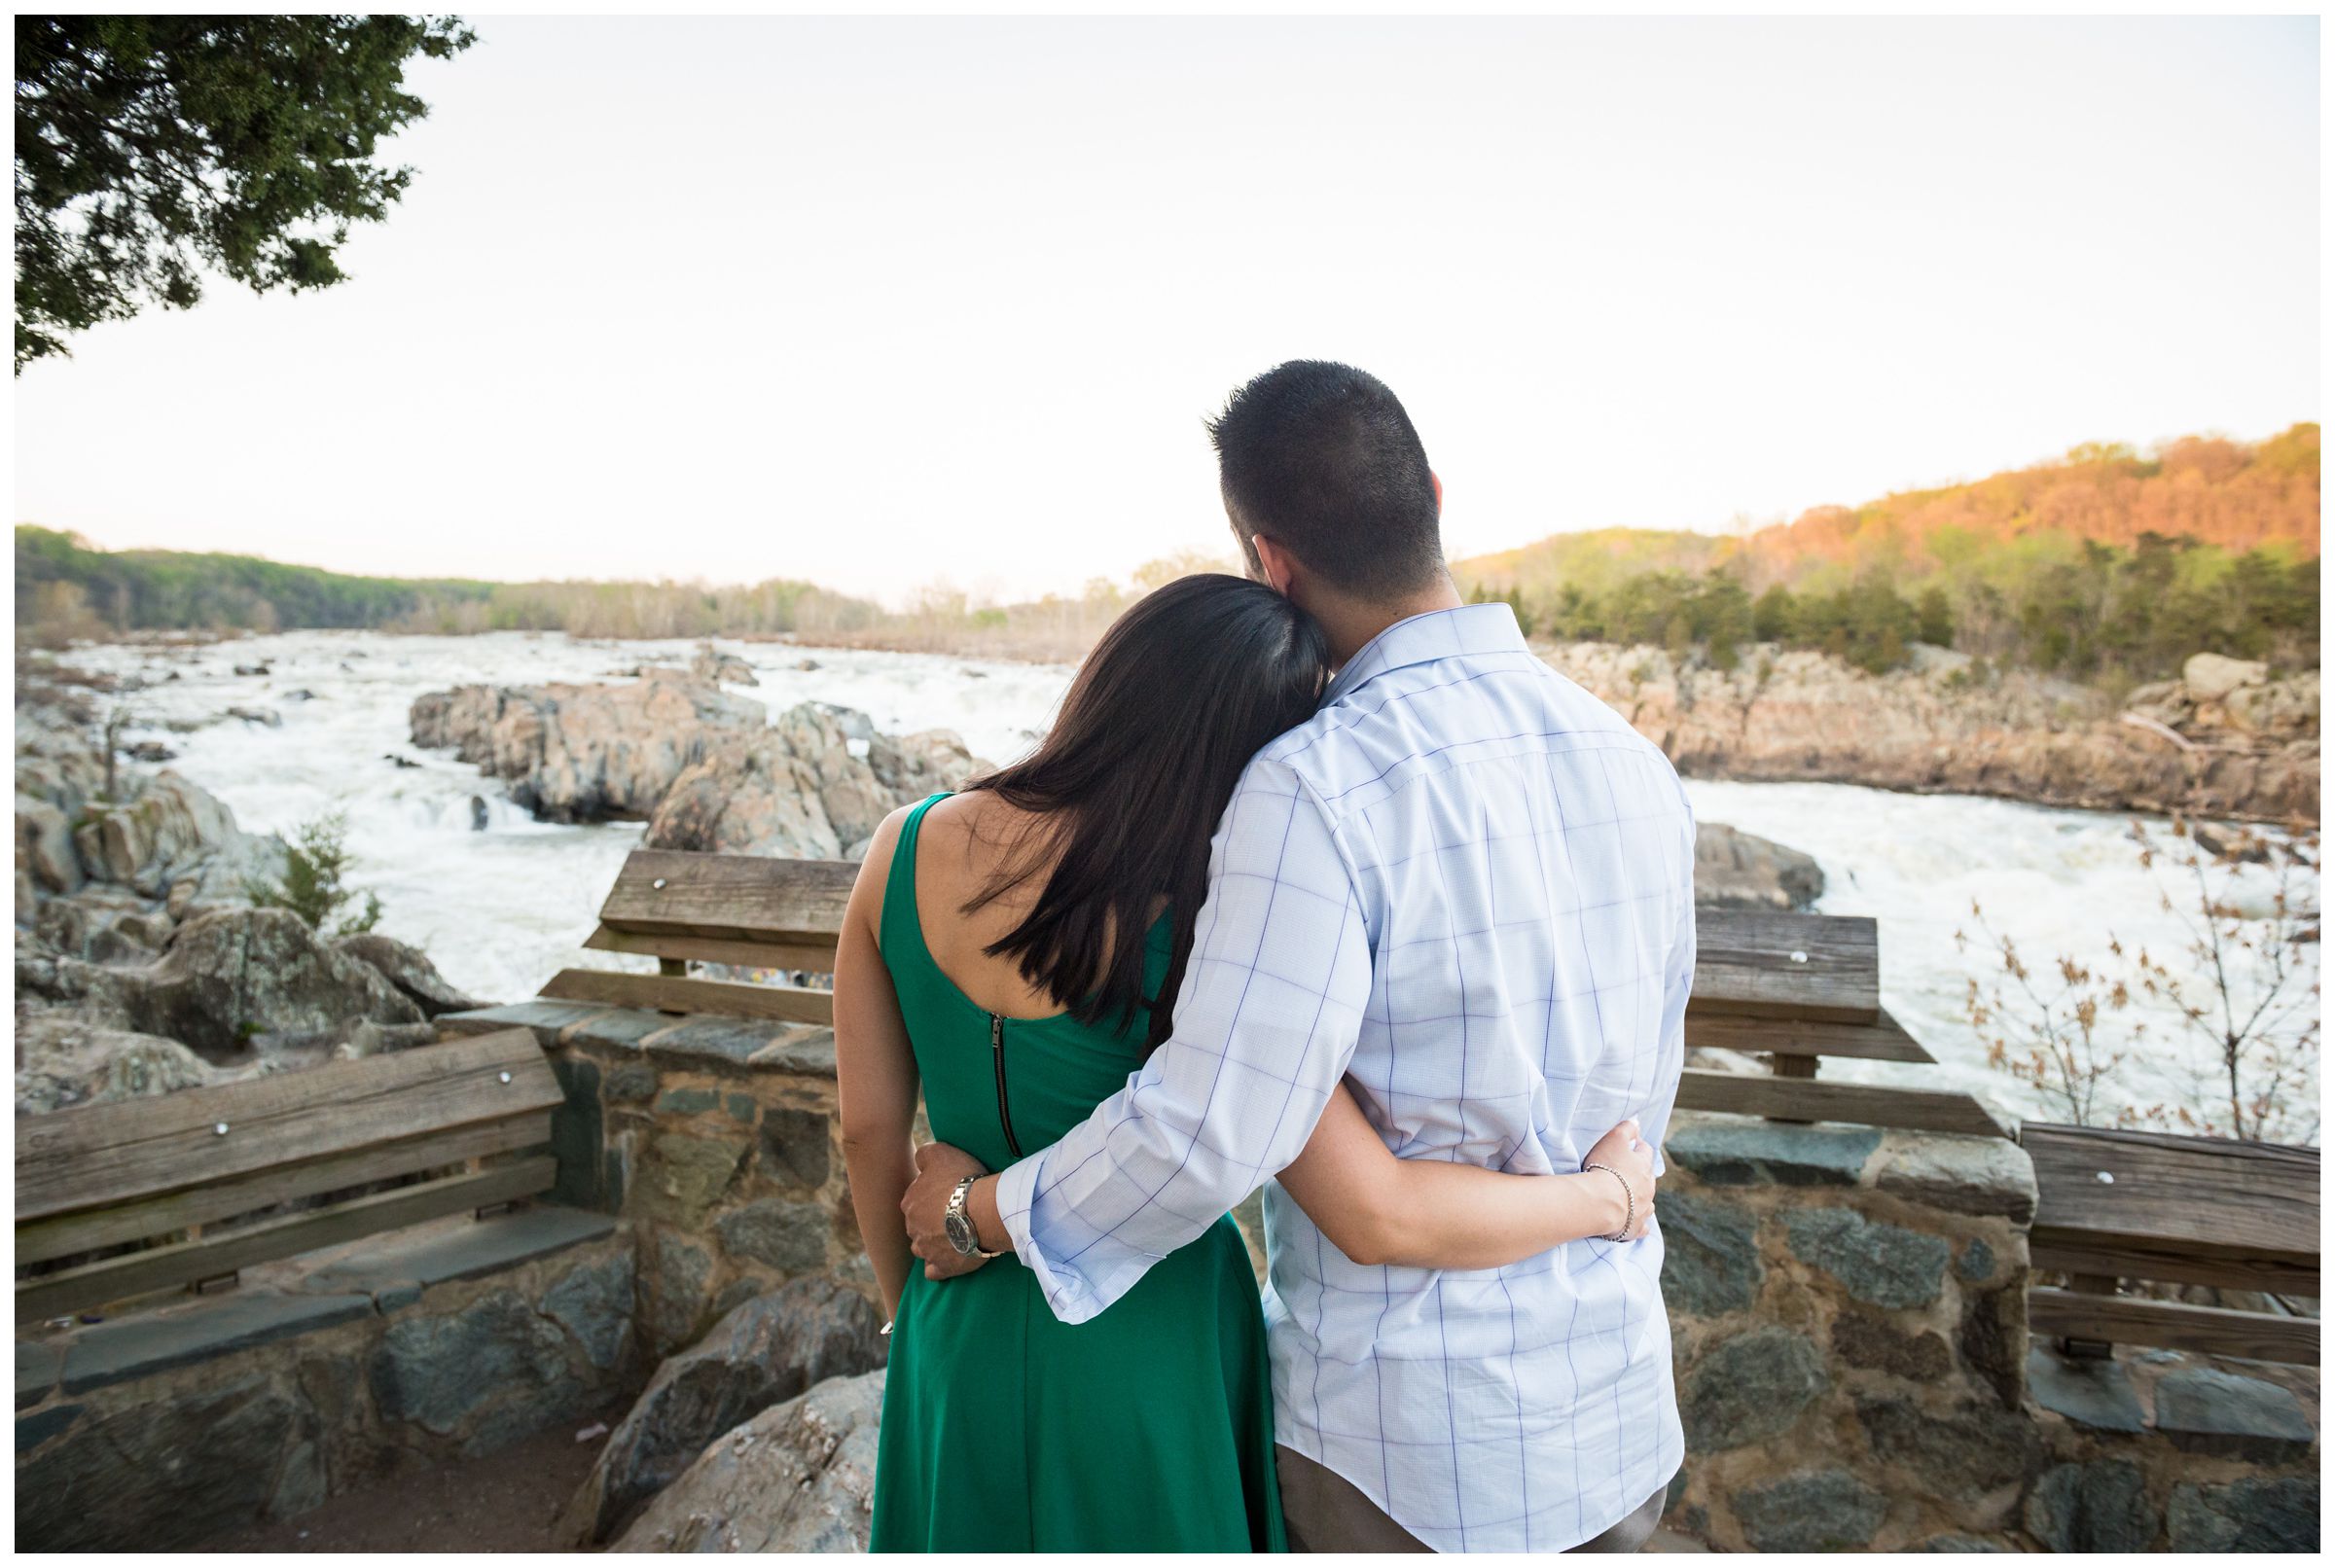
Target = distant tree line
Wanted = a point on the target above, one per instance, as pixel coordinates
(68, 588)
(1868, 624)
(2109, 612)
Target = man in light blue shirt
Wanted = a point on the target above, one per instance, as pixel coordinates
(1467, 884)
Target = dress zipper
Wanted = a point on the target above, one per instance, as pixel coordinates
(1005, 1116)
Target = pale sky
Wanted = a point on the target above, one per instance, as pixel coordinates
(882, 301)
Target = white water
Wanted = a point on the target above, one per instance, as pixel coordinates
(499, 910)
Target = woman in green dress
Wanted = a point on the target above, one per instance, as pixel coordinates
(1012, 951)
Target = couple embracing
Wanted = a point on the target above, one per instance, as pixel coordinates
(1321, 881)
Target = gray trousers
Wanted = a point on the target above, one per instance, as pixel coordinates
(1324, 1512)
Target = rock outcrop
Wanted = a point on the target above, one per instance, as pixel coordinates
(706, 768)
(65, 1060)
(141, 964)
(2225, 742)
(768, 1349)
(586, 753)
(410, 970)
(1741, 870)
(799, 1477)
(717, 668)
(238, 986)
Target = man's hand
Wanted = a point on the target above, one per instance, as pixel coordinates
(940, 1167)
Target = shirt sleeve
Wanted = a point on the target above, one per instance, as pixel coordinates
(1677, 983)
(1266, 1024)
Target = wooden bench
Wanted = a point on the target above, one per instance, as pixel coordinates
(2193, 1211)
(744, 911)
(1796, 987)
(189, 1166)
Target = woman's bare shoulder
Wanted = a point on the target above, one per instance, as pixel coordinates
(875, 866)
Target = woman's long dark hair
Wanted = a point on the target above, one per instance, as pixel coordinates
(1182, 691)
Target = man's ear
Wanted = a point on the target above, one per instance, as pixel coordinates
(1436, 479)
(1275, 565)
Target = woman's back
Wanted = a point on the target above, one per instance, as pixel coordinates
(1004, 1429)
(1005, 1069)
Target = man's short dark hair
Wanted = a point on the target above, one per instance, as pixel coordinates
(1321, 458)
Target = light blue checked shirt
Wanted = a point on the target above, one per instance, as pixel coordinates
(1468, 884)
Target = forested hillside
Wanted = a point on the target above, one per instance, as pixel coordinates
(2104, 563)
(68, 588)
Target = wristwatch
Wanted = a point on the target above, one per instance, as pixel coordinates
(959, 1224)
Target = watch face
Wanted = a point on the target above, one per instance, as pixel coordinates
(960, 1233)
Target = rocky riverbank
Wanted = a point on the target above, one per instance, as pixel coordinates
(141, 964)
(709, 771)
(705, 769)
(2226, 740)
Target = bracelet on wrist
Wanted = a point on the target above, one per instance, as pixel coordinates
(1629, 1201)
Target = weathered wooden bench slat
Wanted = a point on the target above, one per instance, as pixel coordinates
(739, 898)
(2218, 1197)
(1745, 963)
(2178, 1263)
(815, 957)
(667, 993)
(1803, 1099)
(1882, 1040)
(115, 1279)
(2218, 1331)
(86, 1230)
(99, 1156)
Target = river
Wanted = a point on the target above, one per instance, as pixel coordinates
(500, 909)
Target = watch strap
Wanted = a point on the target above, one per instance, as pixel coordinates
(956, 1207)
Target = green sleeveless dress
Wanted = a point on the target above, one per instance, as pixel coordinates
(1148, 1428)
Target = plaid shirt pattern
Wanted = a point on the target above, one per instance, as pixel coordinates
(1467, 885)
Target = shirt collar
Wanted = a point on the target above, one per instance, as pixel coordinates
(1467, 628)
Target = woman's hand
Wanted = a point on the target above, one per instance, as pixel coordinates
(1433, 1213)
(1631, 1157)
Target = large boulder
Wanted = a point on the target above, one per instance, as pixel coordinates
(816, 785)
(157, 832)
(57, 759)
(103, 924)
(587, 753)
(63, 1061)
(767, 1350)
(1741, 870)
(716, 668)
(44, 846)
(410, 970)
(240, 982)
(706, 768)
(2276, 709)
(754, 799)
(799, 1477)
(2213, 677)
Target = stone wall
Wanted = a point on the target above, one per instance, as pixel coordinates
(1849, 1317)
(162, 1428)
(715, 1139)
(2158, 1449)
(1848, 1311)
